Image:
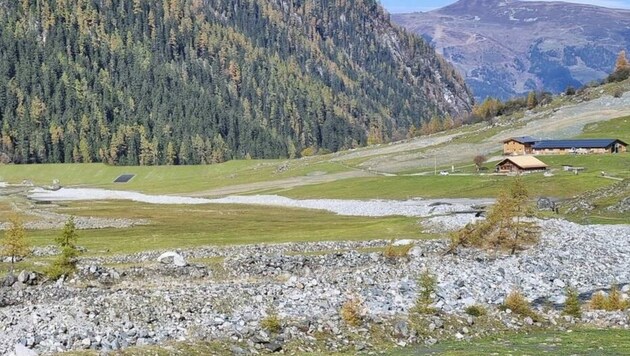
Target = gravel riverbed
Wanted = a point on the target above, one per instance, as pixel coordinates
(105, 308)
(411, 207)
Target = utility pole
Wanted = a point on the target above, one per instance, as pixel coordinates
(435, 164)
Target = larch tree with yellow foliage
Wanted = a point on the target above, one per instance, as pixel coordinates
(14, 244)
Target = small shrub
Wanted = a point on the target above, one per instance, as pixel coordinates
(618, 93)
(271, 322)
(518, 304)
(427, 284)
(570, 90)
(598, 301)
(619, 75)
(572, 305)
(394, 252)
(352, 312)
(308, 151)
(476, 310)
(614, 300)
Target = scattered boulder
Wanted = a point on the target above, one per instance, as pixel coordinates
(545, 203)
(172, 258)
(622, 207)
(282, 168)
(27, 277)
(9, 280)
(273, 346)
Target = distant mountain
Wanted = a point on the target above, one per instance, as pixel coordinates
(508, 47)
(201, 81)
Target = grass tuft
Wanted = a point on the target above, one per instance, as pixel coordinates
(476, 310)
(393, 252)
(352, 312)
(271, 322)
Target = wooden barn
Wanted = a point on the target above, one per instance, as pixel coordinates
(518, 145)
(521, 164)
(582, 146)
(527, 145)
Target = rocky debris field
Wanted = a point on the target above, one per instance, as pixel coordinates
(48, 220)
(614, 198)
(306, 284)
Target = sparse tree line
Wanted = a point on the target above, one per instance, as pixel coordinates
(194, 81)
(15, 247)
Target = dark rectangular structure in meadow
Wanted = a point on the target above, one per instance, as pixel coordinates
(124, 178)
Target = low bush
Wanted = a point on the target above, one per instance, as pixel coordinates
(476, 310)
(598, 301)
(352, 312)
(518, 304)
(271, 322)
(611, 302)
(619, 75)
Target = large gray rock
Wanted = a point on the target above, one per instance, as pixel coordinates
(23, 277)
(9, 281)
(21, 350)
(173, 258)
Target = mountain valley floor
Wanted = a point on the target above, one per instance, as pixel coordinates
(294, 243)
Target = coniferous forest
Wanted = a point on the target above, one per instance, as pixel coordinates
(202, 81)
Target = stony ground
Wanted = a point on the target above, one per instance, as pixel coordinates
(105, 308)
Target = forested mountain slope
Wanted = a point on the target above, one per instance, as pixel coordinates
(202, 81)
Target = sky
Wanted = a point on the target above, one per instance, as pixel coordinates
(396, 6)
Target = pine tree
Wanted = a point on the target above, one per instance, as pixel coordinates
(572, 305)
(14, 244)
(68, 236)
(65, 263)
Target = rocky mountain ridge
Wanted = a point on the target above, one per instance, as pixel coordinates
(506, 48)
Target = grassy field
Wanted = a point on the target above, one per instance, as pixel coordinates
(168, 179)
(190, 226)
(615, 128)
(180, 226)
(561, 185)
(577, 342)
